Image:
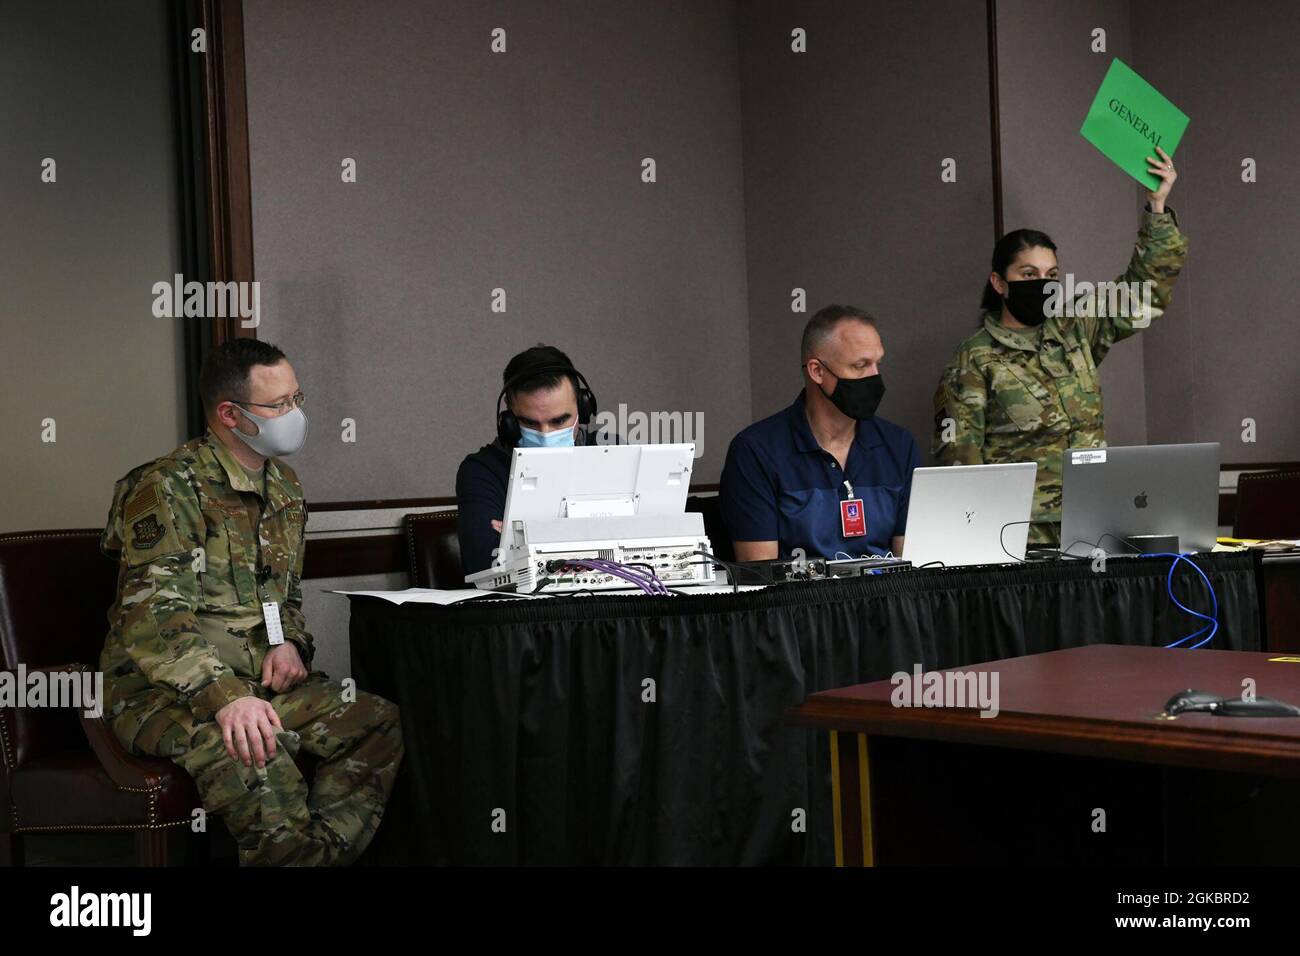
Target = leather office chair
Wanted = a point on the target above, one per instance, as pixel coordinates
(1268, 505)
(63, 771)
(433, 547)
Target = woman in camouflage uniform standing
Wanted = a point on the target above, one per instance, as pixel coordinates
(1025, 387)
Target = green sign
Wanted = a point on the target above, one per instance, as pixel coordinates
(1129, 119)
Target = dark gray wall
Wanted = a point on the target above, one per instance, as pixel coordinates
(87, 84)
(777, 170)
(843, 197)
(1055, 181)
(1234, 354)
(476, 171)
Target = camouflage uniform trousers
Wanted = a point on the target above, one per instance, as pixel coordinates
(274, 819)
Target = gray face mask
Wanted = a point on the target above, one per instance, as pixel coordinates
(276, 437)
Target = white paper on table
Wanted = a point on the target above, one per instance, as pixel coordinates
(435, 596)
(444, 598)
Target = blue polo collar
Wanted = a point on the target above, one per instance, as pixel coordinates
(866, 436)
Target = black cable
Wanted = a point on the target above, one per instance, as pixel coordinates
(654, 575)
(711, 566)
(763, 579)
(1002, 544)
(929, 563)
(730, 566)
(1065, 552)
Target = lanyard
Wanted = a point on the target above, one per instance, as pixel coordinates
(853, 519)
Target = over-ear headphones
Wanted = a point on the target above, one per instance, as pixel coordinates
(508, 429)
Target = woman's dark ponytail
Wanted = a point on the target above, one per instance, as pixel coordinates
(1004, 253)
(992, 302)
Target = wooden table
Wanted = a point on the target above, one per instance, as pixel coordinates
(1076, 745)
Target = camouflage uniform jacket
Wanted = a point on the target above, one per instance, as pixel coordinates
(199, 548)
(1012, 395)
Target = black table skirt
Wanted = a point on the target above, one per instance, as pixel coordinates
(607, 730)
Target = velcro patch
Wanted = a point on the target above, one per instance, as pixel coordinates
(144, 501)
(146, 532)
(152, 534)
(143, 498)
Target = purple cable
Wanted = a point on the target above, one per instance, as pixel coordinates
(650, 580)
(647, 575)
(616, 572)
(647, 582)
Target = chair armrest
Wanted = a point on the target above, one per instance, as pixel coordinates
(8, 740)
(123, 767)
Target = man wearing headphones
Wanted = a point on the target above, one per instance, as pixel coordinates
(548, 404)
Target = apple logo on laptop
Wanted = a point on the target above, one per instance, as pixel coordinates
(1140, 501)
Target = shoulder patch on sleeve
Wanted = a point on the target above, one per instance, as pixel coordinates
(148, 528)
(147, 532)
(145, 501)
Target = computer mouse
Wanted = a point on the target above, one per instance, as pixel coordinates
(1197, 700)
(1259, 707)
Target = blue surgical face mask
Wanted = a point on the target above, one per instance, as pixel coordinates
(531, 438)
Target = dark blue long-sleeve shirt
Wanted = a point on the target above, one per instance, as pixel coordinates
(481, 498)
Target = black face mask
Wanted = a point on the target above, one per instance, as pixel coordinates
(856, 397)
(1027, 300)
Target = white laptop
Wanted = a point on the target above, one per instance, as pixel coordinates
(968, 514)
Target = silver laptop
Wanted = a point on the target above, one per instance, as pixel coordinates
(1139, 490)
(968, 514)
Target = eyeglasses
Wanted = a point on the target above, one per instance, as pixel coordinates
(297, 401)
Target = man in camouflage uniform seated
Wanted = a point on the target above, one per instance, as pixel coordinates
(210, 544)
(1025, 387)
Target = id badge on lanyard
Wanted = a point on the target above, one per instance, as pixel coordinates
(853, 519)
(270, 609)
(271, 617)
(274, 629)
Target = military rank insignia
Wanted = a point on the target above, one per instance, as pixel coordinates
(148, 532)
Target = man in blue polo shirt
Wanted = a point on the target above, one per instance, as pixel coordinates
(825, 475)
